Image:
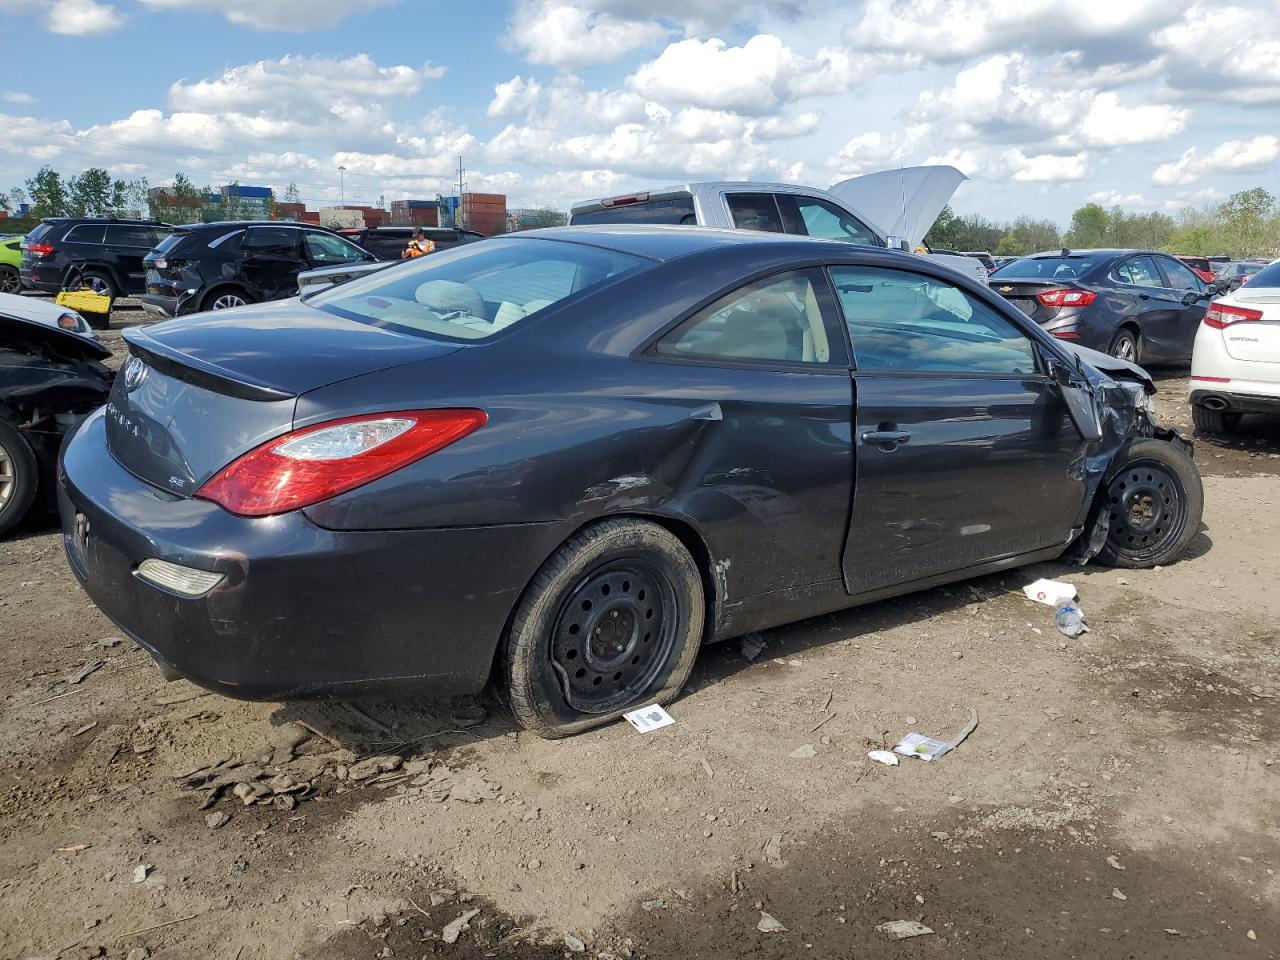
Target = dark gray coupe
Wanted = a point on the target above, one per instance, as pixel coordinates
(565, 460)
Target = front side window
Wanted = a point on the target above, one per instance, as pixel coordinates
(911, 323)
(755, 211)
(776, 320)
(1180, 276)
(1139, 271)
(271, 242)
(326, 248)
(825, 220)
(472, 292)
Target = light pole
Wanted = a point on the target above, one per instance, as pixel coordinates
(342, 188)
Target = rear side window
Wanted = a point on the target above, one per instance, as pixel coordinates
(387, 245)
(1140, 271)
(909, 323)
(755, 211)
(676, 210)
(85, 233)
(271, 241)
(776, 320)
(476, 290)
(131, 235)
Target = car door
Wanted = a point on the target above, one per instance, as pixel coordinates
(810, 216)
(270, 261)
(127, 244)
(965, 449)
(765, 370)
(1191, 293)
(1151, 304)
(328, 250)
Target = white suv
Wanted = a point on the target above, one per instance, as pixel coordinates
(1235, 368)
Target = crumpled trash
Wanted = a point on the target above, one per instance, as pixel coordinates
(887, 757)
(1050, 592)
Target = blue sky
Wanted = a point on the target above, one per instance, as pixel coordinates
(1154, 104)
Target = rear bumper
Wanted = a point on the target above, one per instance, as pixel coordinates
(159, 306)
(47, 279)
(1233, 402)
(302, 611)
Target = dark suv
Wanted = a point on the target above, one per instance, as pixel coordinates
(109, 250)
(213, 266)
(387, 243)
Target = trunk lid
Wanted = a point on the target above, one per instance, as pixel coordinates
(1022, 294)
(901, 203)
(200, 391)
(1257, 341)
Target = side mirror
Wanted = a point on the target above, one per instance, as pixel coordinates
(1212, 290)
(1192, 297)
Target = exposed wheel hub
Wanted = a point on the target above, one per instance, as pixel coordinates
(612, 635)
(1147, 509)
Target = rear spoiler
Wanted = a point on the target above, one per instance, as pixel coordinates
(173, 363)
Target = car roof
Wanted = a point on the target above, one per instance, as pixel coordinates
(666, 242)
(1091, 251)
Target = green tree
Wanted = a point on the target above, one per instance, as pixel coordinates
(291, 194)
(946, 230)
(1088, 227)
(90, 193)
(1149, 231)
(48, 193)
(1247, 223)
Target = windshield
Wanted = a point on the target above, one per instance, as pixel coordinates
(1051, 268)
(472, 292)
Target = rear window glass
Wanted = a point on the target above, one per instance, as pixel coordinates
(1268, 276)
(474, 291)
(85, 233)
(670, 210)
(39, 231)
(1050, 268)
(171, 241)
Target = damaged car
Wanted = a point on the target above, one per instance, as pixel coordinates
(51, 375)
(563, 461)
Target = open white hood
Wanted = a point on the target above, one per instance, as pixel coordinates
(901, 203)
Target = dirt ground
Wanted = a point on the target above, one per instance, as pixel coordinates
(1118, 797)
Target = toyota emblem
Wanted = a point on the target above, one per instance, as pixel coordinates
(135, 371)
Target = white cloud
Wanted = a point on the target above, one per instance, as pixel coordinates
(294, 16)
(17, 96)
(867, 152)
(1114, 198)
(285, 85)
(941, 31)
(82, 18)
(40, 140)
(756, 78)
(1109, 124)
(1253, 155)
(1013, 163)
(514, 96)
(1242, 62)
(564, 34)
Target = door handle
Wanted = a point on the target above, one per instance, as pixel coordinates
(1144, 296)
(886, 440)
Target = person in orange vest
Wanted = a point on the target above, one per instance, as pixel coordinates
(419, 246)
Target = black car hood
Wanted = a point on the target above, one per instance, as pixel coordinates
(31, 334)
(1106, 363)
(277, 350)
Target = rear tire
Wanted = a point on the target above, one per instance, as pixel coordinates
(99, 281)
(10, 280)
(612, 621)
(1155, 500)
(1214, 421)
(225, 298)
(18, 477)
(1126, 345)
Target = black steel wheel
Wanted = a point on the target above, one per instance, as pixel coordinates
(1154, 500)
(612, 621)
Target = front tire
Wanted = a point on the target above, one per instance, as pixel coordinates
(1126, 345)
(18, 478)
(1155, 500)
(1214, 421)
(612, 621)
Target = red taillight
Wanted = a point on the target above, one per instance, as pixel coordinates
(1213, 379)
(1065, 334)
(39, 250)
(625, 200)
(1067, 297)
(1222, 315)
(160, 263)
(324, 460)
